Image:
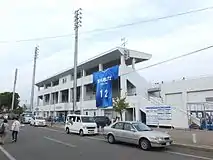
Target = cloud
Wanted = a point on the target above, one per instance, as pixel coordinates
(164, 39)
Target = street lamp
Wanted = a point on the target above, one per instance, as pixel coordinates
(77, 24)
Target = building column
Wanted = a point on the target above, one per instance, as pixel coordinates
(59, 96)
(70, 95)
(43, 101)
(38, 101)
(133, 63)
(50, 100)
(83, 91)
(123, 63)
(123, 90)
(100, 67)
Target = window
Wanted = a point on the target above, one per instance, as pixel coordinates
(86, 113)
(78, 119)
(94, 113)
(64, 80)
(118, 125)
(141, 127)
(72, 118)
(88, 119)
(127, 127)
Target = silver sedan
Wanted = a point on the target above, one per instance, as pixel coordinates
(136, 133)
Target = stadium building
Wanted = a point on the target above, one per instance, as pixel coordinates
(177, 103)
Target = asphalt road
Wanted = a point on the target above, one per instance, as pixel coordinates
(53, 144)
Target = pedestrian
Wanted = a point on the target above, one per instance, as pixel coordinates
(15, 129)
(4, 131)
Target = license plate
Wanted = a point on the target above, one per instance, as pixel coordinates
(167, 143)
(91, 131)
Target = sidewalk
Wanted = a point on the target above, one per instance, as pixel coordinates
(184, 138)
(181, 137)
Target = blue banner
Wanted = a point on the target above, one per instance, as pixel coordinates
(103, 81)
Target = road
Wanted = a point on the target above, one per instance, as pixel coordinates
(54, 144)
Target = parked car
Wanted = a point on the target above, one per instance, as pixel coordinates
(82, 124)
(26, 118)
(102, 121)
(136, 133)
(38, 121)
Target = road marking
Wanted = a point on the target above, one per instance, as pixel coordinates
(8, 155)
(189, 155)
(102, 139)
(55, 130)
(60, 142)
(94, 138)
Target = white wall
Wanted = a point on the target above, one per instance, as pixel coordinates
(179, 93)
(199, 96)
(179, 119)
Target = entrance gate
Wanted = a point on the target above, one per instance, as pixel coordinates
(202, 111)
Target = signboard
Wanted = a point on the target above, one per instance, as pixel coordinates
(158, 114)
(103, 81)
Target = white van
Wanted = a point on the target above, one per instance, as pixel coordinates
(82, 124)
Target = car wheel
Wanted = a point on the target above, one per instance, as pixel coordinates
(67, 130)
(111, 139)
(144, 144)
(81, 132)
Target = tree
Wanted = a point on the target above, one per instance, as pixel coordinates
(120, 105)
(6, 100)
(19, 110)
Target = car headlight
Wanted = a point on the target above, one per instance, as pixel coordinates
(84, 127)
(157, 138)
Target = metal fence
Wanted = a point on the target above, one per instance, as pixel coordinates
(203, 111)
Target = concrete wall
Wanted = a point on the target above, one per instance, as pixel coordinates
(196, 89)
(179, 93)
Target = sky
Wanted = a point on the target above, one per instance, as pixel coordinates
(164, 39)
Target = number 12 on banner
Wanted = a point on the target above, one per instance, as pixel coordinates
(104, 93)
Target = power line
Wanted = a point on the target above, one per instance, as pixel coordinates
(150, 20)
(168, 60)
(111, 28)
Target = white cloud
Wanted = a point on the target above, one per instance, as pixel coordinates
(25, 19)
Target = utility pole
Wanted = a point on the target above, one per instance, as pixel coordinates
(14, 89)
(33, 78)
(77, 24)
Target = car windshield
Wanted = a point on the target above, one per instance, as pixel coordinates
(141, 127)
(88, 119)
(39, 118)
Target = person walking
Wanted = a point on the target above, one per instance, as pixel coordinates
(15, 129)
(4, 128)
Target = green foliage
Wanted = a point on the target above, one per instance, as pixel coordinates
(120, 105)
(18, 110)
(6, 100)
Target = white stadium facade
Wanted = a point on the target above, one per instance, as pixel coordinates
(175, 104)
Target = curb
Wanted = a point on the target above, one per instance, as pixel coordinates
(198, 147)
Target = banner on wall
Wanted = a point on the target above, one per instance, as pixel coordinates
(158, 114)
(103, 81)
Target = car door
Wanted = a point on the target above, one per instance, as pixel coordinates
(78, 124)
(117, 130)
(129, 135)
(71, 123)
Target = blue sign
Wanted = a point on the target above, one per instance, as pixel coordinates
(103, 81)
